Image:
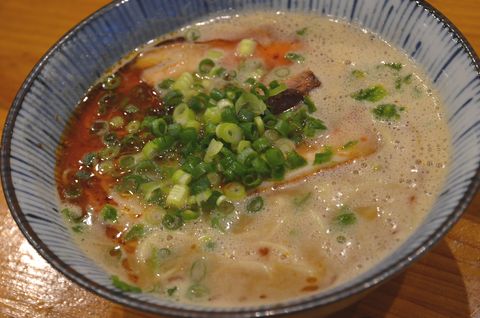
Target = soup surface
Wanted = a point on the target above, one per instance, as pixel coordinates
(252, 159)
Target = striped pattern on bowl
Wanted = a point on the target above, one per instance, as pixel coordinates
(49, 95)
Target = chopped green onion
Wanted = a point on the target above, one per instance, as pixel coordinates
(118, 283)
(178, 196)
(133, 126)
(110, 139)
(214, 178)
(157, 146)
(312, 125)
(346, 218)
(277, 90)
(229, 132)
(73, 192)
(224, 103)
(274, 157)
(260, 166)
(278, 173)
(78, 228)
(73, 214)
(244, 115)
(183, 83)
(196, 103)
(197, 291)
(172, 290)
(105, 167)
(387, 112)
(190, 163)
(109, 213)
(203, 196)
(251, 102)
(213, 115)
(246, 47)
(147, 122)
(294, 160)
(159, 127)
(188, 134)
(283, 127)
(261, 144)
(216, 94)
(229, 116)
(246, 155)
(83, 175)
(403, 80)
(302, 31)
(173, 98)
(111, 82)
(234, 191)
(117, 122)
(255, 205)
(215, 54)
(130, 183)
(172, 221)
(90, 159)
(182, 114)
(198, 271)
(323, 157)
(205, 66)
(126, 162)
(294, 57)
(200, 185)
(109, 152)
(136, 232)
(213, 149)
(371, 94)
(242, 145)
(166, 84)
(259, 124)
(394, 66)
(192, 34)
(358, 74)
(271, 135)
(285, 145)
(251, 179)
(181, 177)
(310, 105)
(350, 144)
(189, 215)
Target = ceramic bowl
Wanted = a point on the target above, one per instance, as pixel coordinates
(49, 95)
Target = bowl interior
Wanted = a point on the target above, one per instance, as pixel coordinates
(53, 89)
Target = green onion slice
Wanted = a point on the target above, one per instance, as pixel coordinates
(255, 205)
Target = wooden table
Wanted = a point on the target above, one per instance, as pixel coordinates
(444, 283)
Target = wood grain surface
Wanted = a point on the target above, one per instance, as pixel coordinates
(444, 283)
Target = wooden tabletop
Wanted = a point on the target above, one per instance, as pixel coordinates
(444, 283)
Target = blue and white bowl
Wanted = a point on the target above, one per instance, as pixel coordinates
(49, 95)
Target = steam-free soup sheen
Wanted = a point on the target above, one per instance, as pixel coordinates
(366, 181)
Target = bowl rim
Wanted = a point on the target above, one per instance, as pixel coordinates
(296, 306)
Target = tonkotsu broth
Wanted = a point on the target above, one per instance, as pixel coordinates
(296, 244)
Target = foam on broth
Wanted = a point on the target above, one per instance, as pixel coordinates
(293, 247)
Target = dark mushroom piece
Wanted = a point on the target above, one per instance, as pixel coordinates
(299, 86)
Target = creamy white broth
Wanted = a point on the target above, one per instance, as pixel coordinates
(293, 246)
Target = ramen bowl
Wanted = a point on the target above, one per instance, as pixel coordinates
(49, 95)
